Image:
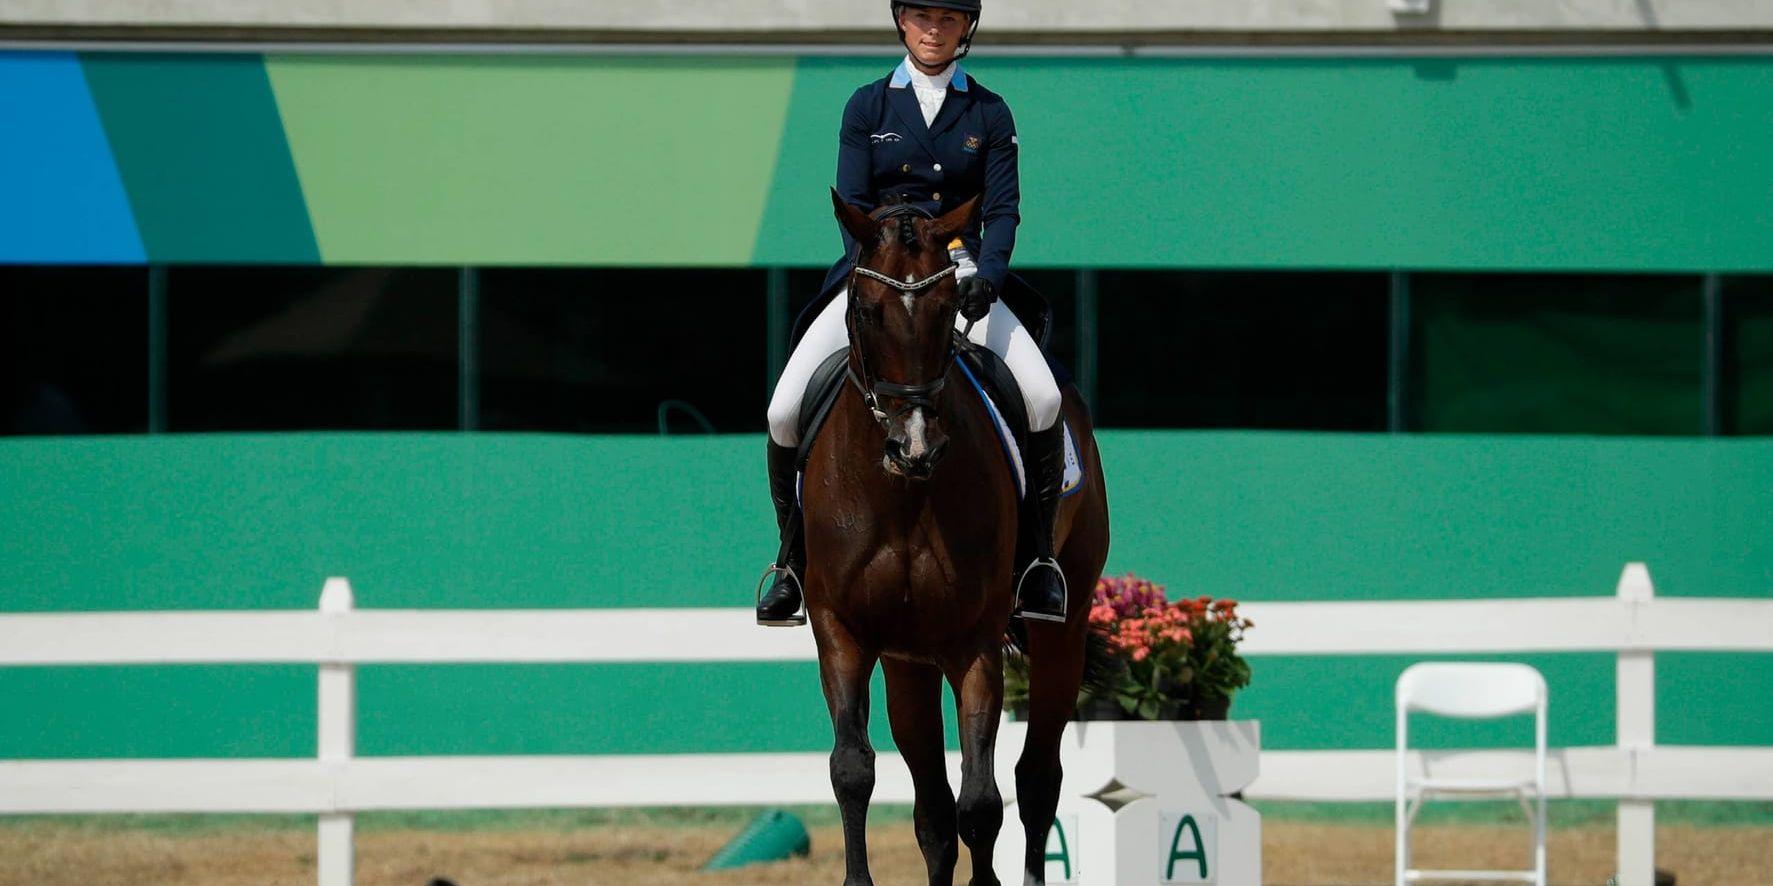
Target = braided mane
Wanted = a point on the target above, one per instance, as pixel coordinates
(895, 208)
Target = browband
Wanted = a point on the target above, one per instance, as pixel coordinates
(909, 285)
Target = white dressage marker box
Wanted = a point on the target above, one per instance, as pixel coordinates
(1146, 803)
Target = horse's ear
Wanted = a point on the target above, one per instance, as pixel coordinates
(957, 221)
(861, 228)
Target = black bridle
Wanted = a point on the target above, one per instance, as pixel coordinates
(873, 389)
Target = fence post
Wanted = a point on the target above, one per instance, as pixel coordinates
(338, 742)
(1636, 693)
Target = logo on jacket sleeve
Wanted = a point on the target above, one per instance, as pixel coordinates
(880, 137)
(971, 143)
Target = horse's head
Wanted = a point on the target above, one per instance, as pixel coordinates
(902, 302)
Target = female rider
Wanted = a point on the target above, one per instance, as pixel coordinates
(929, 135)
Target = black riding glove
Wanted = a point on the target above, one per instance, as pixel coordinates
(976, 297)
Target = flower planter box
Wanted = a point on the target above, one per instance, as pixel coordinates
(1145, 802)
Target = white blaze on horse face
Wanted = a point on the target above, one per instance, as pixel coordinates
(916, 446)
(910, 303)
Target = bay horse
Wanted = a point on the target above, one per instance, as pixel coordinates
(911, 517)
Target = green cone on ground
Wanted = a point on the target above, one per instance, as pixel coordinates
(772, 836)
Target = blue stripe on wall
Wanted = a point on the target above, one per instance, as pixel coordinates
(64, 201)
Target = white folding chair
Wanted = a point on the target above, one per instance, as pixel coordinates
(1470, 690)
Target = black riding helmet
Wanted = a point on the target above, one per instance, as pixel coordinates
(970, 7)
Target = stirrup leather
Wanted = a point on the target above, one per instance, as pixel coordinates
(1065, 589)
(799, 617)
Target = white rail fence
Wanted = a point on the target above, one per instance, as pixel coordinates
(337, 784)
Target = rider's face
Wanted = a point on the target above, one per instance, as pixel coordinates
(932, 35)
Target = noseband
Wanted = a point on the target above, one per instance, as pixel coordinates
(872, 389)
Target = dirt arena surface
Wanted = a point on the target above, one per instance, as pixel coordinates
(44, 852)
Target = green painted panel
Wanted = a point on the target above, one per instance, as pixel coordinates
(604, 709)
(534, 160)
(612, 709)
(514, 520)
(511, 520)
(493, 521)
(798, 226)
(157, 712)
(202, 155)
(1345, 703)
(1494, 163)
(1708, 698)
(1648, 163)
(269, 711)
(1360, 517)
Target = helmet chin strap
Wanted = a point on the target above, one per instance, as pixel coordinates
(966, 43)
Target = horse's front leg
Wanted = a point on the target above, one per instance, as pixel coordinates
(845, 667)
(978, 701)
(914, 704)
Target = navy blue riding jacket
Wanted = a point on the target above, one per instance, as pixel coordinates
(884, 147)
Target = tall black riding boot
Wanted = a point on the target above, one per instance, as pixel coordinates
(780, 605)
(1040, 587)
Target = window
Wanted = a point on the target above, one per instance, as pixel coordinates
(622, 350)
(291, 348)
(1748, 354)
(1299, 351)
(76, 350)
(1557, 353)
(1060, 290)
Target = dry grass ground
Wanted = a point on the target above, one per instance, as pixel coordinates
(46, 852)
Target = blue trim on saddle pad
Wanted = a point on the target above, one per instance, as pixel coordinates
(1012, 453)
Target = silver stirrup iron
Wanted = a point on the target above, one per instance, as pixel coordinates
(1052, 564)
(799, 617)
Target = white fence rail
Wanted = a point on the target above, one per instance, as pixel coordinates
(336, 784)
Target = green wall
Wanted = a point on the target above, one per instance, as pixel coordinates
(1615, 163)
(505, 521)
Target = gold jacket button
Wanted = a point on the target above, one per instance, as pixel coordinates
(905, 168)
(938, 167)
(936, 197)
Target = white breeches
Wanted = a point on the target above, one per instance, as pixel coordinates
(999, 330)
